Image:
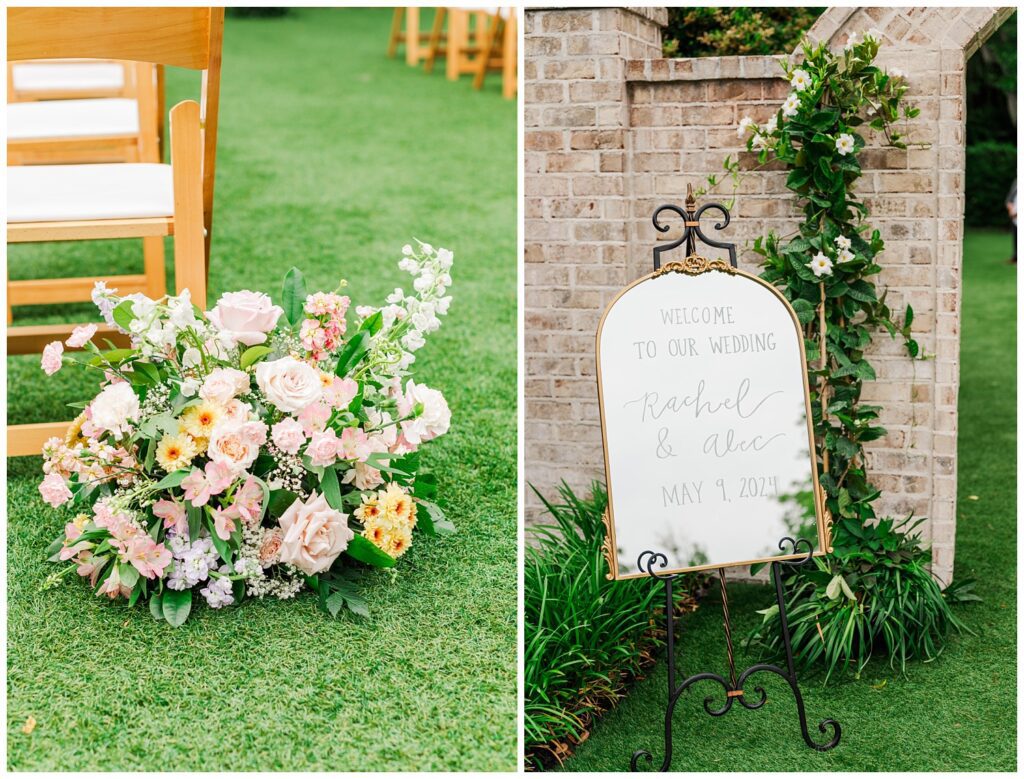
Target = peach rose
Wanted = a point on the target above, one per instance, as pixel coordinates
(245, 317)
(236, 445)
(314, 534)
(223, 384)
(270, 549)
(289, 384)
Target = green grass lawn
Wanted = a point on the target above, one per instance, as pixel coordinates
(955, 714)
(331, 157)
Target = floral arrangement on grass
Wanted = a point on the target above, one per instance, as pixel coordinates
(253, 450)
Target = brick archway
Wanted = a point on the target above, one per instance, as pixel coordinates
(612, 130)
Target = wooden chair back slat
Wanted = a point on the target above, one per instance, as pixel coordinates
(164, 36)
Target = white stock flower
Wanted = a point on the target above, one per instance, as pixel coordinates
(800, 79)
(821, 265)
(844, 143)
(791, 106)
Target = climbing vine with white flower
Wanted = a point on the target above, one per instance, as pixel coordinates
(874, 590)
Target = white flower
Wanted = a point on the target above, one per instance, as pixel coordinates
(434, 418)
(445, 258)
(289, 384)
(772, 125)
(895, 73)
(408, 265)
(760, 142)
(396, 297)
(407, 250)
(115, 408)
(746, 126)
(851, 41)
(191, 357)
(843, 242)
(844, 143)
(413, 340)
(800, 79)
(845, 255)
(189, 387)
(821, 265)
(874, 34)
(791, 106)
(427, 248)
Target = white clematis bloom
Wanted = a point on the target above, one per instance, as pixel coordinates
(821, 265)
(844, 143)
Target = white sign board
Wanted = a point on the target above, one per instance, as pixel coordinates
(709, 452)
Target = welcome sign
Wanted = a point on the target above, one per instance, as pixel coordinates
(705, 413)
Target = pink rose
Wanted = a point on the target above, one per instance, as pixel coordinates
(80, 336)
(52, 361)
(245, 317)
(340, 392)
(223, 384)
(314, 534)
(288, 435)
(289, 384)
(54, 490)
(236, 446)
(323, 448)
(270, 549)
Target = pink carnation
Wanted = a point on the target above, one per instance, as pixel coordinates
(55, 490)
(288, 435)
(323, 448)
(81, 335)
(52, 359)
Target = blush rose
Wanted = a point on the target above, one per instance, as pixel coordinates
(314, 534)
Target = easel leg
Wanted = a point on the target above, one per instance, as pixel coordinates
(790, 675)
(673, 694)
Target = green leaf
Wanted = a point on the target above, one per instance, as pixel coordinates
(364, 551)
(123, 315)
(293, 296)
(156, 607)
(176, 606)
(195, 519)
(354, 351)
(173, 479)
(373, 323)
(128, 574)
(253, 355)
(432, 520)
(331, 488)
(280, 501)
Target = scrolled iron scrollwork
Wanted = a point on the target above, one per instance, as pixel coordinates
(647, 560)
(800, 546)
(692, 231)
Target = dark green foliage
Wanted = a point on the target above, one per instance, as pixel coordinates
(258, 12)
(874, 593)
(703, 32)
(991, 169)
(992, 86)
(582, 631)
(585, 636)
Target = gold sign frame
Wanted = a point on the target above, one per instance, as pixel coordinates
(695, 265)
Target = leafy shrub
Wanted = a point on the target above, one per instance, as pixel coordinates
(258, 12)
(585, 636)
(991, 168)
(706, 32)
(872, 594)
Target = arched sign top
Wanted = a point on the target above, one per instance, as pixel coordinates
(705, 415)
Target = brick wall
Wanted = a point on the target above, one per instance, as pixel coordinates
(613, 130)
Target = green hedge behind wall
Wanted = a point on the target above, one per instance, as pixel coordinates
(991, 168)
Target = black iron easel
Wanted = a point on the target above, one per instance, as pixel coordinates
(652, 562)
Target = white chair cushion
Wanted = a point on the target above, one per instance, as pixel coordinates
(61, 193)
(67, 76)
(72, 118)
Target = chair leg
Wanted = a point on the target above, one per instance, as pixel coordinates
(435, 39)
(396, 31)
(412, 36)
(189, 242)
(510, 57)
(489, 45)
(153, 258)
(458, 34)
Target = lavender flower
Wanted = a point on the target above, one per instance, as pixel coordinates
(218, 591)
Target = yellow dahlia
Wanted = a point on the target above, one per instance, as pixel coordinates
(198, 421)
(396, 542)
(174, 452)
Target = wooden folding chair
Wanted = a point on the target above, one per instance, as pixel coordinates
(62, 112)
(405, 29)
(465, 38)
(499, 51)
(122, 200)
